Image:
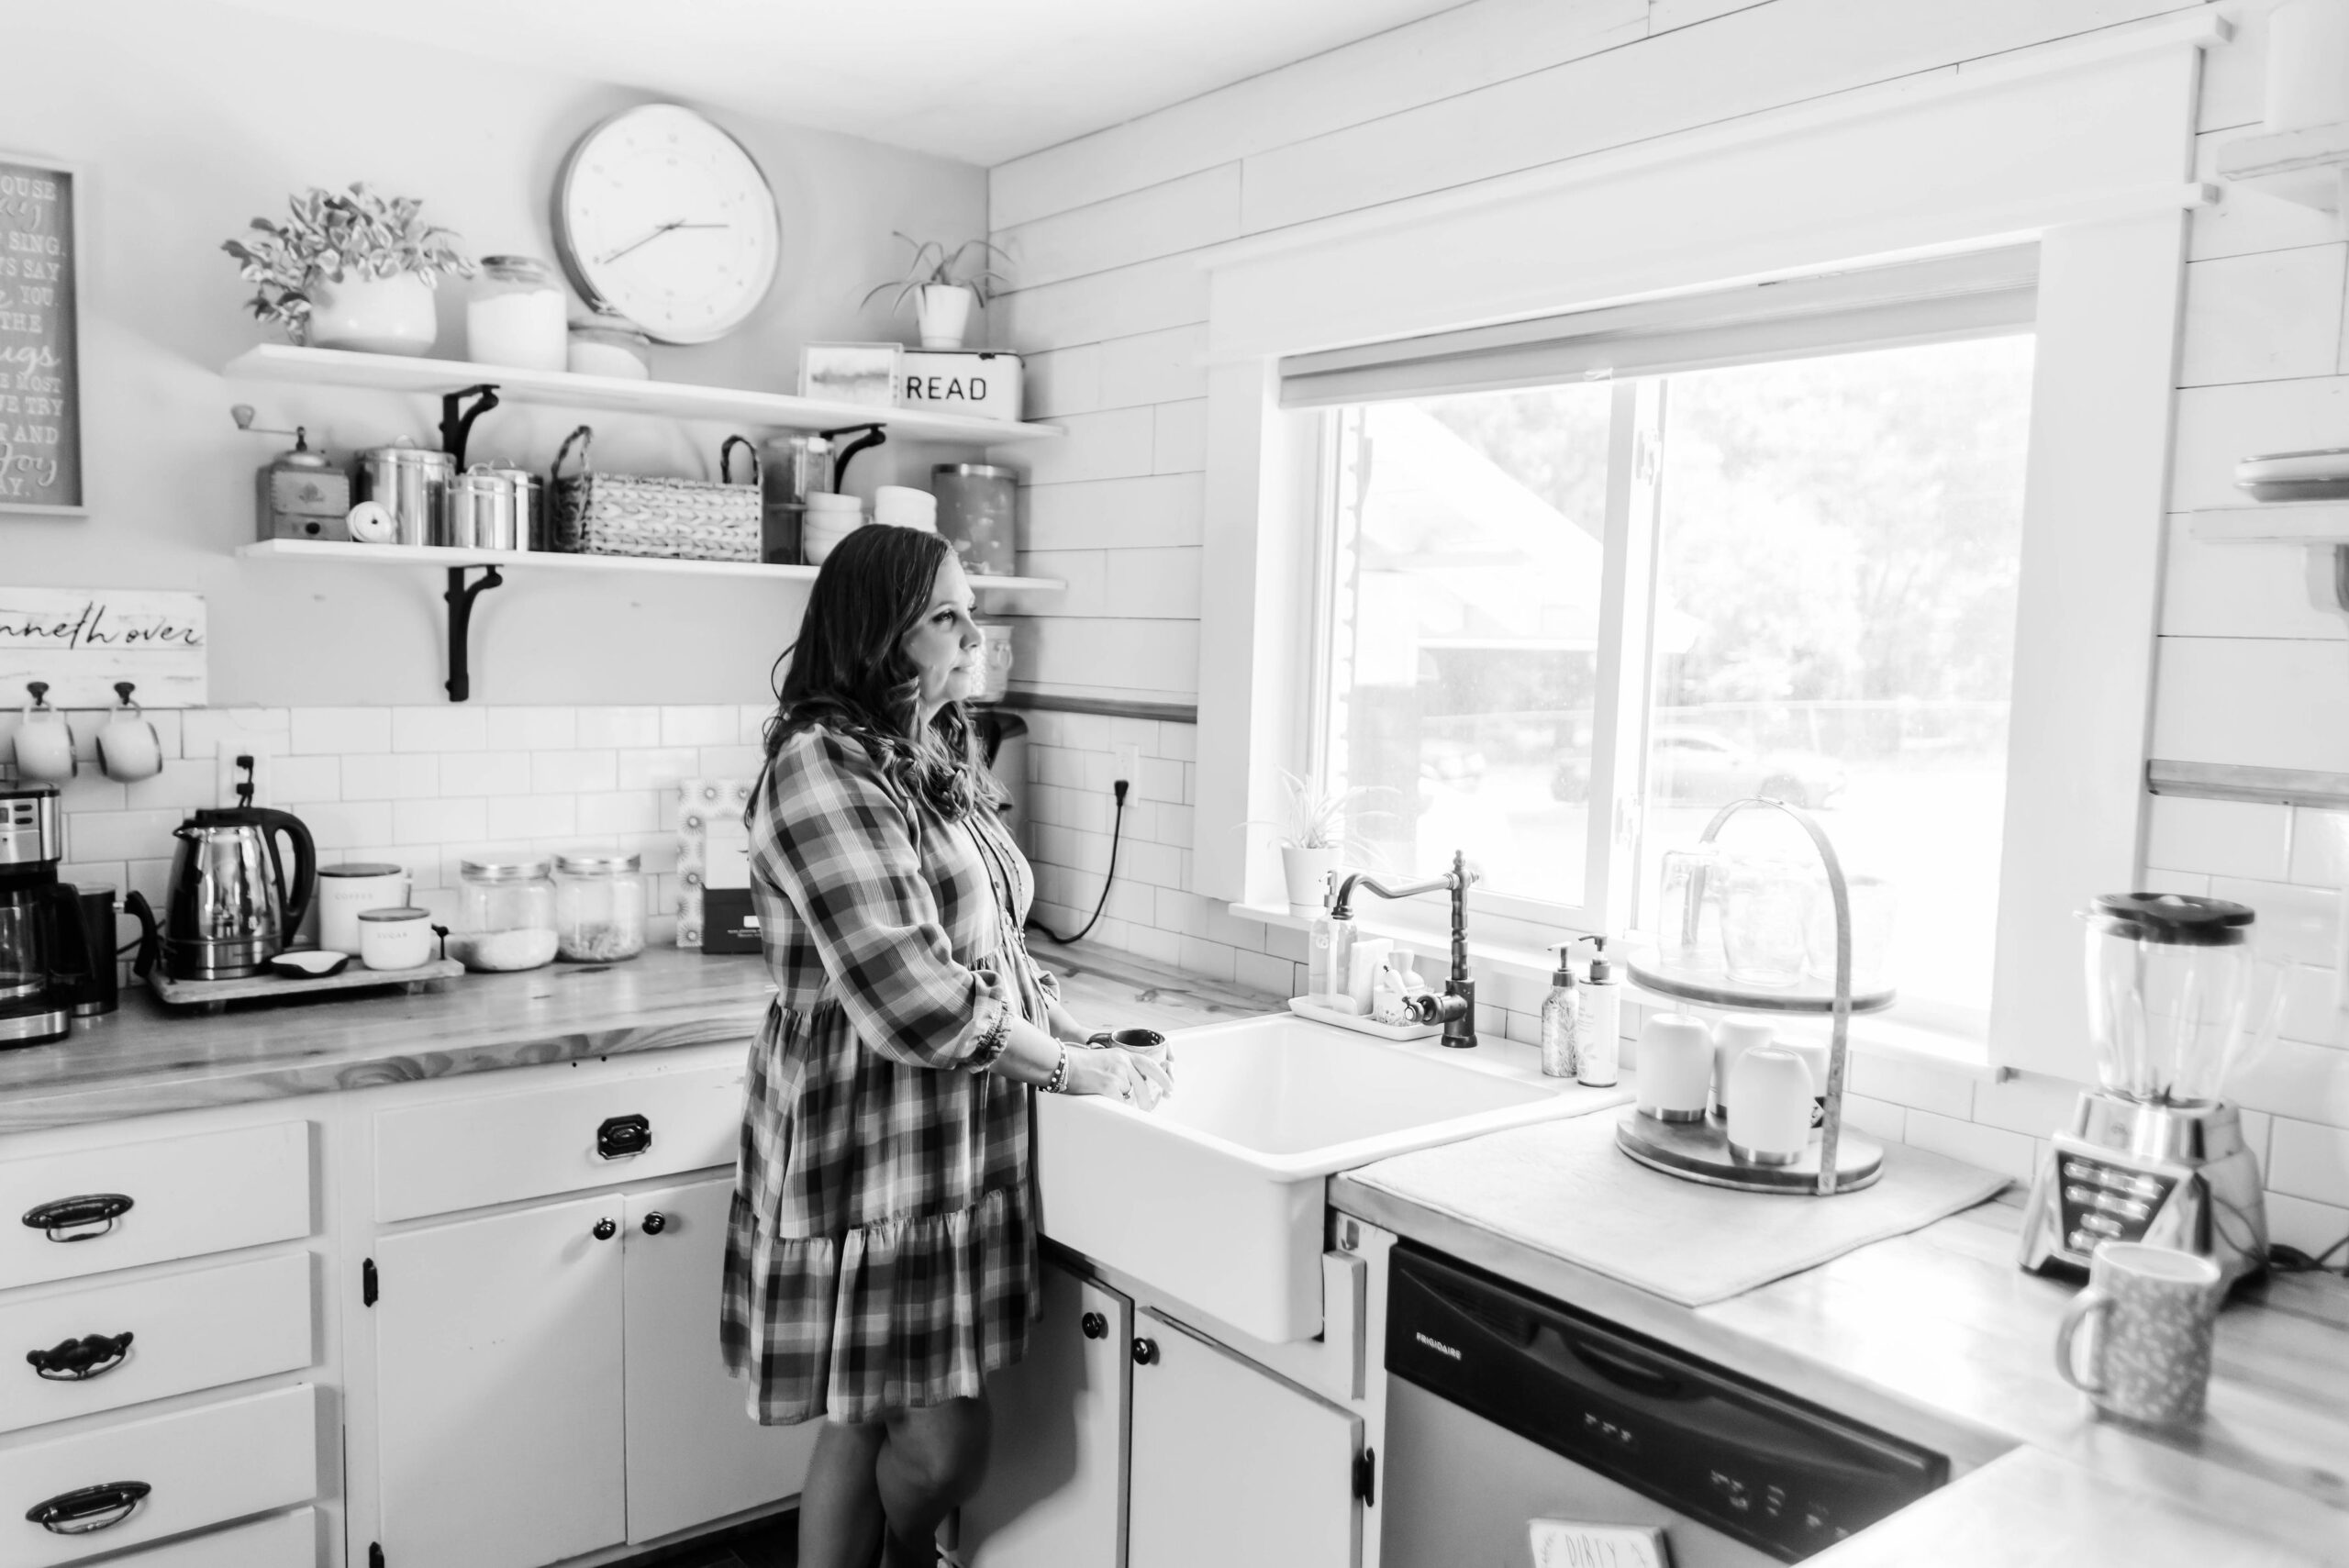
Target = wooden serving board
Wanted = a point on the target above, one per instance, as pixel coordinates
(212, 996)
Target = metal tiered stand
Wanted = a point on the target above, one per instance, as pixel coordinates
(1699, 1150)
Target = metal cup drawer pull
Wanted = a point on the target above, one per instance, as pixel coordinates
(78, 1361)
(91, 1509)
(70, 1219)
(622, 1136)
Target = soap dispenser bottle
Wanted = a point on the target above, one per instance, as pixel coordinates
(1598, 1043)
(1559, 1010)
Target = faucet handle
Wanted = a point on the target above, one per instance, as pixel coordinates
(1467, 870)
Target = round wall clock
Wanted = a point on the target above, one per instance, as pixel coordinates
(662, 218)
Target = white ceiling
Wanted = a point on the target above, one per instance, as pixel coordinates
(983, 81)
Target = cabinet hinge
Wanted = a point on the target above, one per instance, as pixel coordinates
(1367, 1477)
(367, 1299)
(374, 1551)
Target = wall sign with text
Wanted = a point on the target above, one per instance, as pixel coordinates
(82, 640)
(41, 346)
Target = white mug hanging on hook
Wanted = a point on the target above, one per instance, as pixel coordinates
(44, 745)
(128, 747)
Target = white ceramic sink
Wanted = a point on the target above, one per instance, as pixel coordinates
(1217, 1196)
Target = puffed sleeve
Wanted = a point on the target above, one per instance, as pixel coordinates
(839, 844)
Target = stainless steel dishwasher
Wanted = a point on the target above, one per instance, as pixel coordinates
(1504, 1407)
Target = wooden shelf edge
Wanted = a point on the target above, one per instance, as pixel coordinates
(436, 557)
(769, 410)
(2273, 522)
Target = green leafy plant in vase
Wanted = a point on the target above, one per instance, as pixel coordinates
(349, 269)
(1313, 838)
(944, 285)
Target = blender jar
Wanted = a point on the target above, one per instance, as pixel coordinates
(2167, 976)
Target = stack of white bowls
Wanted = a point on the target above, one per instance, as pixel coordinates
(903, 507)
(830, 518)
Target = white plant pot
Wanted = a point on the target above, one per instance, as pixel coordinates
(943, 311)
(376, 316)
(1309, 873)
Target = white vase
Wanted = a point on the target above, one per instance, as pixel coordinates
(377, 315)
(943, 311)
(1309, 873)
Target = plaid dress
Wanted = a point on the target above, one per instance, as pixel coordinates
(880, 1253)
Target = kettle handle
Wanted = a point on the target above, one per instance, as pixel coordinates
(296, 898)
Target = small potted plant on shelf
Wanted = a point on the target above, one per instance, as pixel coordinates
(1313, 838)
(349, 269)
(943, 284)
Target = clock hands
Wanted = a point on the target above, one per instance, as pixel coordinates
(648, 238)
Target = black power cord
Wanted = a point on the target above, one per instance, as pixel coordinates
(1116, 826)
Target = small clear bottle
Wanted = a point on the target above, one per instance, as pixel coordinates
(504, 915)
(599, 907)
(1558, 1018)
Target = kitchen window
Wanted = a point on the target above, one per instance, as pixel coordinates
(1584, 582)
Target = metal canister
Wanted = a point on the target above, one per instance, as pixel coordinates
(489, 508)
(976, 504)
(413, 485)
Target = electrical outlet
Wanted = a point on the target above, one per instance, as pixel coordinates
(1128, 762)
(226, 774)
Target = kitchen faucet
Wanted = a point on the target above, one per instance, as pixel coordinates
(1456, 1008)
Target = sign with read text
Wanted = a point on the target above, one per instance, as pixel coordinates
(82, 640)
(40, 349)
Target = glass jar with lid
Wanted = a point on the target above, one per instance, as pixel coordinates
(517, 315)
(504, 915)
(599, 907)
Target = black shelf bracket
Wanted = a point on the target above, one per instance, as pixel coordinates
(457, 421)
(460, 596)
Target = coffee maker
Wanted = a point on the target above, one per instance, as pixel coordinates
(46, 966)
(2154, 1154)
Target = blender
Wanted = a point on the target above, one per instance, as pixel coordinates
(2154, 1154)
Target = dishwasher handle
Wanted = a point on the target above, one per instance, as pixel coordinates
(1624, 1368)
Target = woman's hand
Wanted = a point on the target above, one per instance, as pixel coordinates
(1120, 1075)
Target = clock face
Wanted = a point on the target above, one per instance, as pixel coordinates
(664, 218)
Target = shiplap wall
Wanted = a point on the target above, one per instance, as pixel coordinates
(1113, 306)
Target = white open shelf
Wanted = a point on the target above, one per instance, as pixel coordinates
(346, 552)
(2306, 166)
(760, 410)
(2276, 522)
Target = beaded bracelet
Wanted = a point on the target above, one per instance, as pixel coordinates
(1058, 1083)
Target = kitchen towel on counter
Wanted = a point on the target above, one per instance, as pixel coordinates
(1562, 1188)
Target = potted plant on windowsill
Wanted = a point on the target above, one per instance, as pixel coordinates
(349, 269)
(944, 285)
(1313, 839)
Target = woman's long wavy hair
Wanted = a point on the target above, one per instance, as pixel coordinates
(848, 672)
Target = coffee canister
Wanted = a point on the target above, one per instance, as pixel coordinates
(489, 508)
(976, 503)
(412, 484)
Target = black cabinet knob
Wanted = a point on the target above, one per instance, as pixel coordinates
(1095, 1327)
(655, 1223)
(1145, 1353)
(606, 1231)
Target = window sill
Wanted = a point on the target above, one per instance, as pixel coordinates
(1879, 1037)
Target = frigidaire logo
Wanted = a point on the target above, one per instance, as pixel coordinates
(1436, 1345)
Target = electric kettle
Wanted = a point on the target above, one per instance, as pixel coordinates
(230, 909)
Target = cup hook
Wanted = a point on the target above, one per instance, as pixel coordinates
(40, 690)
(122, 690)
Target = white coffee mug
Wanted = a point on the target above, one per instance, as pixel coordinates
(128, 747)
(1733, 1038)
(394, 938)
(1675, 1067)
(1769, 1106)
(347, 890)
(44, 747)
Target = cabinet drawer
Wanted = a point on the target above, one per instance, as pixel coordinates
(202, 1466)
(288, 1541)
(469, 1154)
(206, 1193)
(189, 1331)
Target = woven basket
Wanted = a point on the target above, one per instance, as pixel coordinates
(678, 520)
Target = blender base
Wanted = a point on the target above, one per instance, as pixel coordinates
(2168, 1176)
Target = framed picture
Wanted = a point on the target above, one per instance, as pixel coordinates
(851, 372)
(40, 335)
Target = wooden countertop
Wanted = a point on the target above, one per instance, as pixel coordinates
(144, 1058)
(1938, 1336)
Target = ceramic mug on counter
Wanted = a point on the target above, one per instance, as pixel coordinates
(394, 938)
(347, 890)
(2155, 1311)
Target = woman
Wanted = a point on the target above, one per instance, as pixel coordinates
(881, 1256)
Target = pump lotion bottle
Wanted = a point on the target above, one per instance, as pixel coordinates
(1559, 1018)
(1598, 1041)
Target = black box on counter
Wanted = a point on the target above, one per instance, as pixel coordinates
(729, 923)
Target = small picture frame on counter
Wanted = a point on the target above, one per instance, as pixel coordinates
(851, 372)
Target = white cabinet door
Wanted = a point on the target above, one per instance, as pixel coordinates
(497, 1362)
(1232, 1468)
(694, 1453)
(1055, 1492)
